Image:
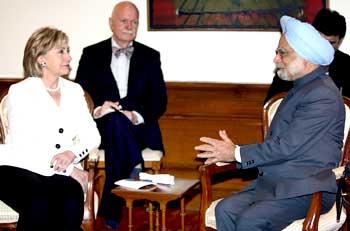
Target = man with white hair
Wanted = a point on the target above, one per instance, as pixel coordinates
(125, 80)
(303, 143)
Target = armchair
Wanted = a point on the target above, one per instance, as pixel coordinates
(9, 217)
(313, 221)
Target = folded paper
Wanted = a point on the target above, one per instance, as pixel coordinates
(133, 184)
(158, 178)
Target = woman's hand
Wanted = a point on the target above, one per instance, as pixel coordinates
(81, 176)
(62, 160)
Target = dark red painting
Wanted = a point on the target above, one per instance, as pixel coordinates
(228, 14)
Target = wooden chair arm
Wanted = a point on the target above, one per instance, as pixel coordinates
(313, 214)
(347, 185)
(89, 210)
(206, 173)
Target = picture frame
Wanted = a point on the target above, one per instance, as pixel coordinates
(228, 14)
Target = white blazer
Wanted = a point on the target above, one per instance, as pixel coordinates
(39, 128)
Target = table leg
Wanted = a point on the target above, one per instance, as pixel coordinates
(182, 214)
(157, 218)
(129, 205)
(150, 208)
(163, 208)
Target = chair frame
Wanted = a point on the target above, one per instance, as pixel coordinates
(88, 223)
(313, 215)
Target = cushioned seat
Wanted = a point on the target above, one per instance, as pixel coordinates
(7, 215)
(151, 155)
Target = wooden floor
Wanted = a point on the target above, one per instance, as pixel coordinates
(141, 223)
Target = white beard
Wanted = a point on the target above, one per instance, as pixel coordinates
(291, 72)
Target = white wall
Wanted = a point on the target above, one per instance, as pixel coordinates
(202, 56)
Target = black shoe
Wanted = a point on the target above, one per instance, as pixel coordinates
(111, 224)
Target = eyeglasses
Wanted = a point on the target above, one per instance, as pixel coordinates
(281, 52)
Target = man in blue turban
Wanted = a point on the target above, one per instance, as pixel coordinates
(332, 26)
(302, 145)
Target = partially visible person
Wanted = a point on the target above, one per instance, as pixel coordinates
(50, 130)
(302, 146)
(332, 27)
(125, 81)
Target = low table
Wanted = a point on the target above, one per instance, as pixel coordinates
(161, 194)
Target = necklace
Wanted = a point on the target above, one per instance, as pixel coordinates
(57, 88)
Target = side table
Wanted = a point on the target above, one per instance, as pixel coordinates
(161, 194)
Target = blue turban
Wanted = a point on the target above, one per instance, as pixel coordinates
(306, 41)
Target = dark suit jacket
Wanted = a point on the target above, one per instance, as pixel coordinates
(303, 143)
(146, 87)
(338, 70)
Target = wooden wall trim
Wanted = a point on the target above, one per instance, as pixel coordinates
(6, 82)
(215, 99)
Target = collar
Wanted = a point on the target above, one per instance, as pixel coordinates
(317, 73)
(115, 44)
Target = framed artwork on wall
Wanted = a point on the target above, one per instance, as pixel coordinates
(228, 14)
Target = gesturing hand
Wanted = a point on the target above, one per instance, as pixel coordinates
(216, 150)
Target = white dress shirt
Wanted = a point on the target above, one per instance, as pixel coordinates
(238, 154)
(120, 69)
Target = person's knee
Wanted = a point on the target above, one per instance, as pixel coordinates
(118, 118)
(114, 127)
(224, 216)
(222, 209)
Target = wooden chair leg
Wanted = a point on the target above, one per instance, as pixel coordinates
(129, 205)
(150, 208)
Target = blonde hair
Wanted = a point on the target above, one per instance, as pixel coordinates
(39, 43)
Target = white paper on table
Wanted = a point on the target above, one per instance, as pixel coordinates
(158, 178)
(133, 184)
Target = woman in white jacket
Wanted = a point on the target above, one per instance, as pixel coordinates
(50, 131)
